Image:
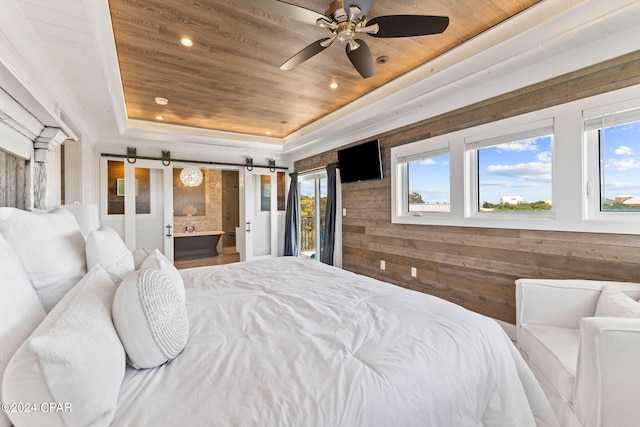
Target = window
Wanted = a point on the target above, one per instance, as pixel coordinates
(513, 170)
(115, 189)
(616, 137)
(515, 176)
(281, 182)
(426, 188)
(570, 167)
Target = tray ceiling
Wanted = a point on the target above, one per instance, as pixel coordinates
(230, 80)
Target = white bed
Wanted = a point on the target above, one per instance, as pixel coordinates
(292, 342)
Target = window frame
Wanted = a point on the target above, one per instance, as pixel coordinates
(575, 172)
(518, 133)
(401, 158)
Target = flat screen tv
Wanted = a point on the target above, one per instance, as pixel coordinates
(361, 162)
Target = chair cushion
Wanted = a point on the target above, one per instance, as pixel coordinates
(554, 352)
(614, 303)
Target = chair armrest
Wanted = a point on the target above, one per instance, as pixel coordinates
(607, 382)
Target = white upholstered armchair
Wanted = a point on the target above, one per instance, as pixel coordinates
(589, 367)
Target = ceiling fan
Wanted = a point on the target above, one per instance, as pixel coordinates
(345, 20)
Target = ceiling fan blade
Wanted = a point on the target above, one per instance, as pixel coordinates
(409, 25)
(362, 59)
(306, 53)
(295, 12)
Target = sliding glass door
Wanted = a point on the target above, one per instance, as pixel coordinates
(313, 202)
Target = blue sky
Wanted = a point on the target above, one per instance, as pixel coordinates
(430, 178)
(621, 152)
(521, 168)
(307, 187)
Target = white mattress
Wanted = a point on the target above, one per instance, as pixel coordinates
(290, 342)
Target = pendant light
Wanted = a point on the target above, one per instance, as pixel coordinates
(191, 176)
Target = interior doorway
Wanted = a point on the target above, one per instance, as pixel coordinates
(206, 218)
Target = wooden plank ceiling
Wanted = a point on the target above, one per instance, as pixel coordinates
(230, 78)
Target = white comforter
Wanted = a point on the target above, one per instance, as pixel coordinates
(289, 342)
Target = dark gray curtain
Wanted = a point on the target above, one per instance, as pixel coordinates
(292, 219)
(328, 244)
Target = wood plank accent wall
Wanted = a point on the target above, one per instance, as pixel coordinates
(13, 181)
(477, 267)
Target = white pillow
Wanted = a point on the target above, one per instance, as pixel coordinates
(106, 248)
(614, 303)
(51, 248)
(151, 318)
(139, 255)
(20, 310)
(158, 261)
(74, 358)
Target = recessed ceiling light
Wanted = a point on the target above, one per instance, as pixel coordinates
(161, 101)
(333, 85)
(159, 118)
(382, 60)
(186, 41)
(268, 132)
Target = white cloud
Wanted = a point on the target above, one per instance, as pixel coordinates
(624, 164)
(529, 145)
(619, 185)
(427, 161)
(531, 171)
(507, 184)
(624, 151)
(545, 156)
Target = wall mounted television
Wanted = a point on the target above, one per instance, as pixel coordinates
(361, 162)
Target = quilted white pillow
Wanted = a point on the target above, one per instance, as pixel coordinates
(614, 303)
(106, 248)
(73, 358)
(151, 318)
(51, 248)
(20, 310)
(158, 261)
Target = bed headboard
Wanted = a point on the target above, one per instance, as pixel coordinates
(14, 181)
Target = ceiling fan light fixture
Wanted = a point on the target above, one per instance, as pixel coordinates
(191, 176)
(346, 20)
